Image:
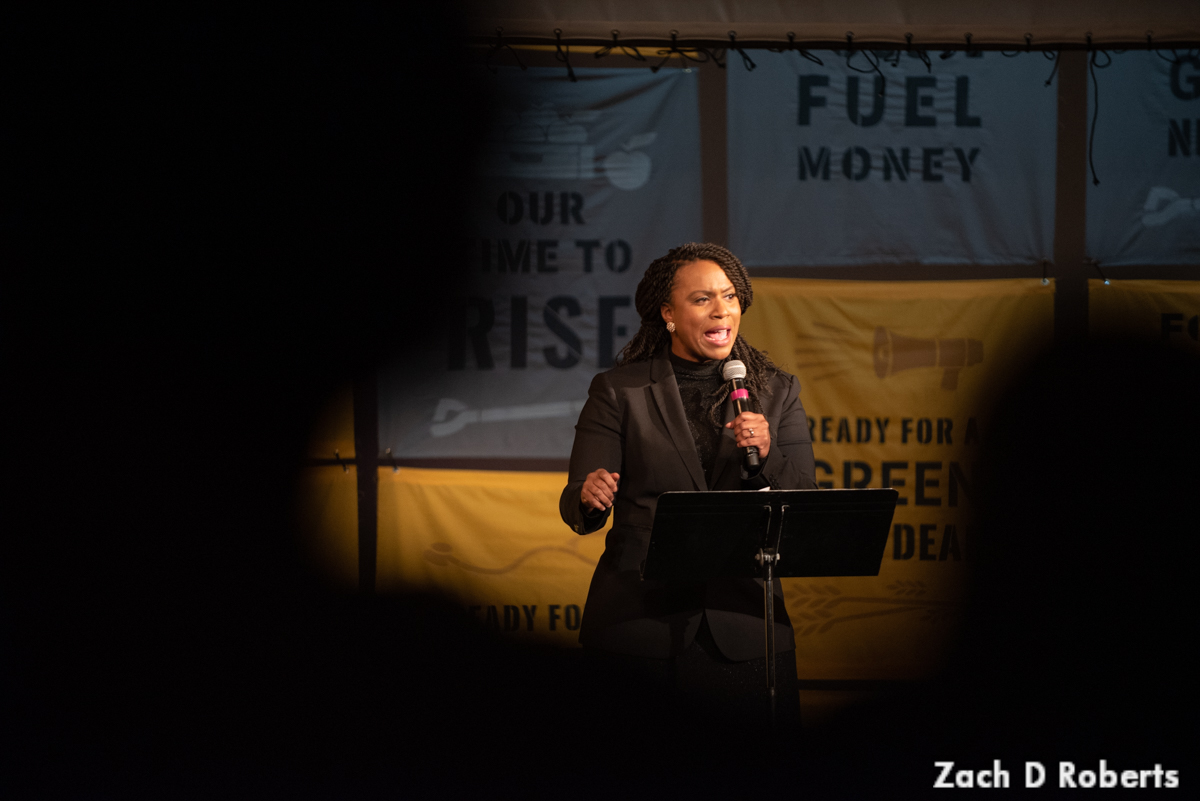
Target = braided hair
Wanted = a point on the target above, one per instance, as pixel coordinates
(652, 337)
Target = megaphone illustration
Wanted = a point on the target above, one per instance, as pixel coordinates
(894, 352)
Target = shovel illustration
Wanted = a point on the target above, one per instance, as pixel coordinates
(444, 424)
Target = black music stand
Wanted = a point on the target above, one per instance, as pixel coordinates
(699, 536)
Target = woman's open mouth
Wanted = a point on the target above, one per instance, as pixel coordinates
(718, 336)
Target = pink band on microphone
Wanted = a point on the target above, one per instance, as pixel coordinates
(739, 394)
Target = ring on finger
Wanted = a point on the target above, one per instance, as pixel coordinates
(752, 432)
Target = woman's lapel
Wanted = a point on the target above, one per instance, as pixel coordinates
(666, 396)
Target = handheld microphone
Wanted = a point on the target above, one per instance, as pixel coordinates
(734, 373)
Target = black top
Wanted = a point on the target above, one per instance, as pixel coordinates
(698, 382)
(634, 423)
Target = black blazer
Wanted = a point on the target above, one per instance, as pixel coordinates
(634, 424)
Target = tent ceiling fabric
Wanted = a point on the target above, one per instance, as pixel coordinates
(931, 22)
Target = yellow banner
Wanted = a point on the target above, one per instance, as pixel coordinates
(894, 377)
(1146, 311)
(493, 541)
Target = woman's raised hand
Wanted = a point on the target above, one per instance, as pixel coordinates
(599, 489)
(752, 429)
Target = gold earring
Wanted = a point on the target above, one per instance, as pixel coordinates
(671, 327)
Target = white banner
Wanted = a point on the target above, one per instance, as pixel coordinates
(584, 184)
(1146, 151)
(839, 164)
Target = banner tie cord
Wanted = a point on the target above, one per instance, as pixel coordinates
(1174, 59)
(702, 54)
(500, 43)
(560, 55)
(1028, 47)
(1092, 67)
(747, 62)
(1052, 56)
(921, 54)
(871, 58)
(791, 36)
(604, 51)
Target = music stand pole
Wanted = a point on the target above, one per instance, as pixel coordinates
(767, 558)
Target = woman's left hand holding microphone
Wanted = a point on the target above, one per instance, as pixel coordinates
(752, 429)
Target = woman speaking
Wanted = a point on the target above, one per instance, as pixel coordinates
(662, 420)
